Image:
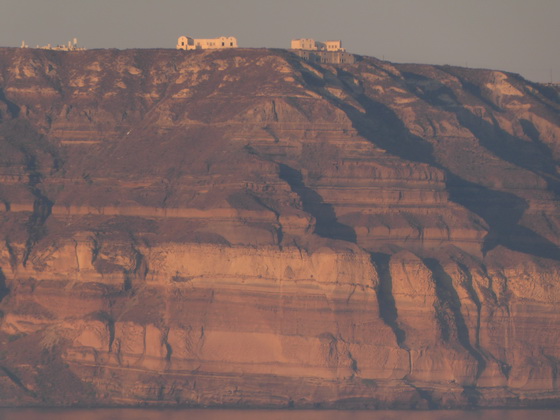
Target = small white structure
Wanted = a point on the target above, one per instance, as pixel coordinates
(312, 45)
(187, 43)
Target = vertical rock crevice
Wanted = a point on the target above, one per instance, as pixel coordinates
(139, 269)
(95, 247)
(469, 287)
(165, 343)
(42, 207)
(35, 153)
(109, 322)
(448, 299)
(12, 254)
(554, 369)
(4, 291)
(385, 298)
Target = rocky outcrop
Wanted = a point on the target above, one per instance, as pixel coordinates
(243, 228)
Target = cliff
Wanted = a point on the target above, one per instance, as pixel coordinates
(243, 228)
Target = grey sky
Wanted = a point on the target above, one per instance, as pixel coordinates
(521, 36)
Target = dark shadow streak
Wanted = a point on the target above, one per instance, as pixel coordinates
(17, 381)
(385, 298)
(4, 291)
(13, 109)
(501, 211)
(534, 156)
(448, 297)
(327, 224)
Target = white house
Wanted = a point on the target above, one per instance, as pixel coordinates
(312, 45)
(187, 43)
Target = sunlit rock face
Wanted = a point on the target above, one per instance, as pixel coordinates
(243, 228)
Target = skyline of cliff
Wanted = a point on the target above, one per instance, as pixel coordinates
(504, 35)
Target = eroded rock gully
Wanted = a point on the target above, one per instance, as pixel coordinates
(243, 228)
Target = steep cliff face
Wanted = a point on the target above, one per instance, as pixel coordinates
(244, 228)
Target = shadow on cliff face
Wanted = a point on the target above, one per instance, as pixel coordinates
(17, 381)
(12, 108)
(326, 223)
(3, 287)
(42, 207)
(501, 211)
(385, 298)
(551, 94)
(381, 126)
(36, 155)
(109, 322)
(534, 156)
(448, 300)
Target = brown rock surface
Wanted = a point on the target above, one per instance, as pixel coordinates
(243, 228)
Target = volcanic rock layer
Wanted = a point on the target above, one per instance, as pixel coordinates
(244, 228)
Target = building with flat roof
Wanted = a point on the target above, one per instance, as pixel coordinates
(312, 45)
(188, 43)
(329, 52)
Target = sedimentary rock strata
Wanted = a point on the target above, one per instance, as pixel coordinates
(244, 228)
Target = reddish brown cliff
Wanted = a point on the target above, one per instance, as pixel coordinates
(244, 228)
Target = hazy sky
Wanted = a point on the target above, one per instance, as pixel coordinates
(521, 36)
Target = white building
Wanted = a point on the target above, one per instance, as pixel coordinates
(187, 43)
(329, 52)
(312, 45)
